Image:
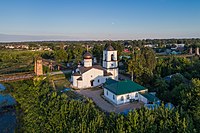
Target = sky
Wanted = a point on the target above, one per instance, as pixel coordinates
(22, 20)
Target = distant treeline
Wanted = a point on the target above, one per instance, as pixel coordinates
(189, 41)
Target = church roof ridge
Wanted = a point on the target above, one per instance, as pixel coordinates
(110, 48)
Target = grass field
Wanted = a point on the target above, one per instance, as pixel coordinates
(13, 61)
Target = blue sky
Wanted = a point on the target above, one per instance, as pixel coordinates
(101, 19)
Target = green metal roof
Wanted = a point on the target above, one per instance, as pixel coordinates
(110, 81)
(122, 87)
(150, 97)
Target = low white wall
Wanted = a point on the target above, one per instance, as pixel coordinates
(125, 97)
(74, 80)
(118, 100)
(109, 96)
(143, 99)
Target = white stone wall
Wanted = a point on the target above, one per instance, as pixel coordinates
(131, 96)
(143, 99)
(79, 83)
(114, 73)
(110, 64)
(93, 74)
(109, 96)
(74, 80)
(107, 55)
(87, 62)
(118, 100)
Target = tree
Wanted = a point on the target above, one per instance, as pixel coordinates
(60, 55)
(97, 52)
(191, 101)
(142, 64)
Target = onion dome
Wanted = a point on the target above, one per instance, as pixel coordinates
(110, 48)
(87, 55)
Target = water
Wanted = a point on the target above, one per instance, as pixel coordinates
(7, 113)
(6, 100)
(8, 122)
(2, 88)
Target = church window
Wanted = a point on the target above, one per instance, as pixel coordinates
(105, 57)
(127, 97)
(112, 57)
(98, 81)
(122, 98)
(113, 97)
(107, 92)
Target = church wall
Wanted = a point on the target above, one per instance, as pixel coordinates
(109, 65)
(74, 79)
(93, 74)
(79, 83)
(112, 64)
(114, 73)
(107, 55)
(87, 62)
(104, 55)
(99, 80)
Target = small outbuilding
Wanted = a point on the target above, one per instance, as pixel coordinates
(120, 92)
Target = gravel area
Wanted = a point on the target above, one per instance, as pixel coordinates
(95, 95)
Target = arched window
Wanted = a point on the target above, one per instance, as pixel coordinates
(122, 98)
(127, 97)
(112, 57)
(136, 95)
(113, 97)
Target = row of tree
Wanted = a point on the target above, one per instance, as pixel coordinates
(174, 79)
(40, 109)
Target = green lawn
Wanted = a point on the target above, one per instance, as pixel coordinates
(13, 61)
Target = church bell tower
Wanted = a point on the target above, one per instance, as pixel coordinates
(110, 62)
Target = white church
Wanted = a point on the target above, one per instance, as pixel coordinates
(116, 92)
(90, 75)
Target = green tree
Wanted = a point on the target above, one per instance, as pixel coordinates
(142, 64)
(191, 101)
(60, 55)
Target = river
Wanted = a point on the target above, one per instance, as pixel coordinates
(7, 112)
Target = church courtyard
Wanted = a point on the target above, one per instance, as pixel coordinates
(96, 96)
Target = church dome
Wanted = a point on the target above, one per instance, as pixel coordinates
(87, 55)
(110, 48)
